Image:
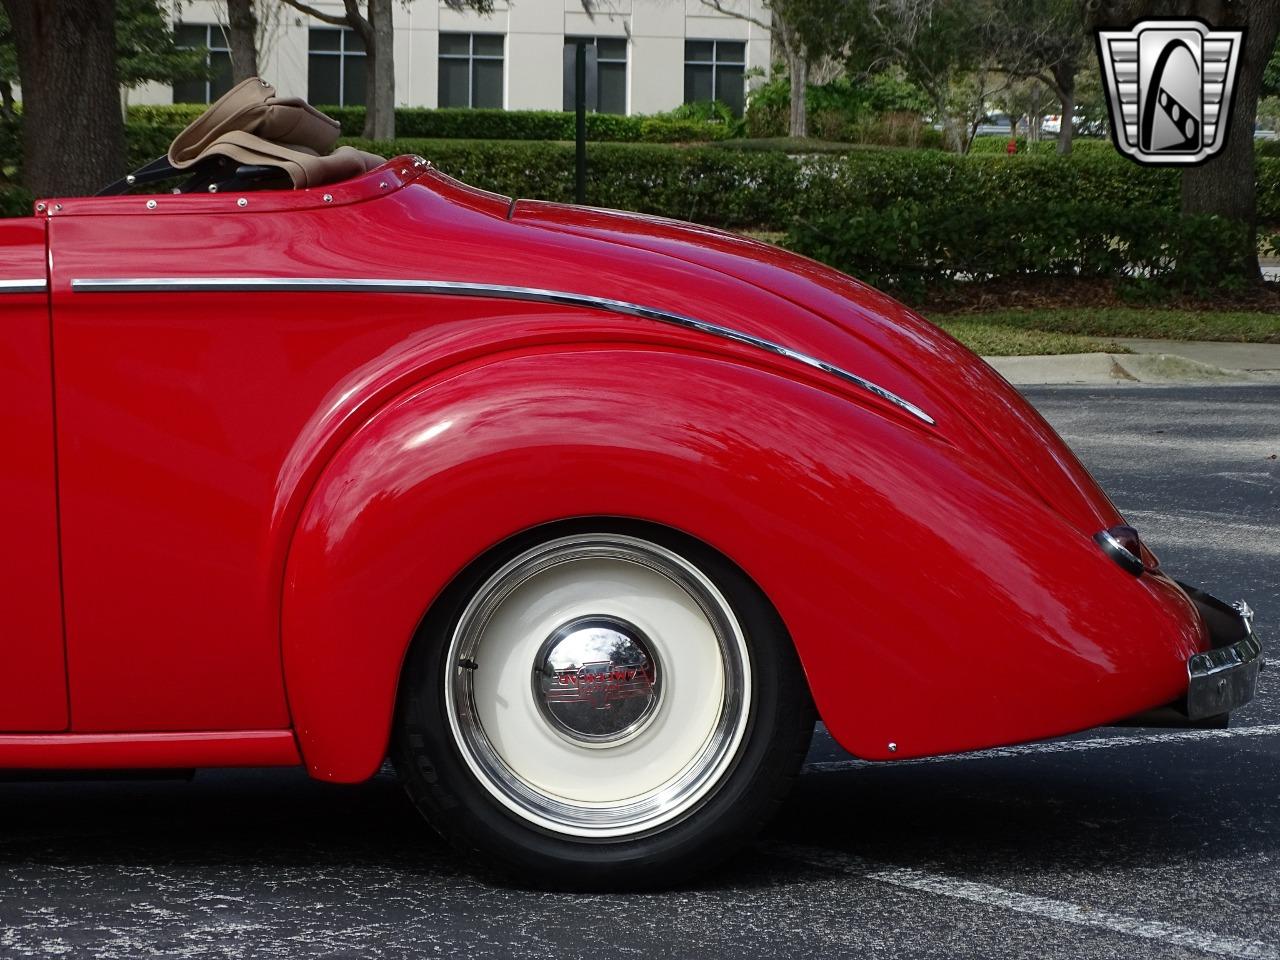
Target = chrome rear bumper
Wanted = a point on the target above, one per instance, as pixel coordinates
(1225, 677)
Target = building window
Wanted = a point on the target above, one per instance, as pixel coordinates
(608, 94)
(713, 70)
(336, 74)
(471, 70)
(193, 36)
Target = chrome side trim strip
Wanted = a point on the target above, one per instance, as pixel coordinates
(499, 291)
(34, 285)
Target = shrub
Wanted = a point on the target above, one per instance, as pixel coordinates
(15, 201)
(768, 189)
(11, 148)
(883, 110)
(908, 247)
(992, 143)
(717, 187)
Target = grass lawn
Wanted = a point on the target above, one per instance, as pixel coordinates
(1010, 333)
(998, 340)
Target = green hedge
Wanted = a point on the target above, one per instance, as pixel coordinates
(770, 190)
(456, 124)
(991, 143)
(903, 220)
(909, 247)
(718, 187)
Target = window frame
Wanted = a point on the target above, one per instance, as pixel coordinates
(715, 63)
(224, 47)
(470, 58)
(342, 53)
(571, 39)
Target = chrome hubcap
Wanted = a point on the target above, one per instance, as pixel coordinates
(596, 680)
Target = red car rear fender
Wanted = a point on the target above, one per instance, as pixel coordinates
(934, 604)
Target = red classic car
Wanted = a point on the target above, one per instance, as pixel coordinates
(576, 514)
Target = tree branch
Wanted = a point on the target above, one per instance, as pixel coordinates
(719, 7)
(311, 11)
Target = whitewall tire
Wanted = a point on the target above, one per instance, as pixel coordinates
(594, 705)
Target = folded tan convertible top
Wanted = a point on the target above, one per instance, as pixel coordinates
(251, 125)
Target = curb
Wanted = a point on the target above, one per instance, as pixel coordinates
(1120, 368)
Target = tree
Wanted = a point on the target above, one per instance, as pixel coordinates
(375, 28)
(8, 69)
(73, 134)
(242, 38)
(935, 42)
(792, 26)
(145, 46)
(251, 26)
(968, 99)
(1029, 100)
(1227, 184)
(1041, 39)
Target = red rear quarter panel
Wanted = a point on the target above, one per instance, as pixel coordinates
(246, 473)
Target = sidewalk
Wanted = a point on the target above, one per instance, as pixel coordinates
(1152, 361)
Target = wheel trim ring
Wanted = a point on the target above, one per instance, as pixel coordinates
(664, 803)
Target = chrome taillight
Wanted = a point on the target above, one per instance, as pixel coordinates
(1124, 546)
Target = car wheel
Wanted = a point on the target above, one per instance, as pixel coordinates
(600, 709)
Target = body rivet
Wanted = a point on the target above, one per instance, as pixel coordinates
(40, 207)
(57, 207)
(327, 198)
(151, 204)
(213, 188)
(131, 179)
(242, 202)
(893, 748)
(382, 185)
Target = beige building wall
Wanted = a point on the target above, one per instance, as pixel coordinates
(533, 74)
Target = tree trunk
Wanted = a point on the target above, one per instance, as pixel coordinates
(73, 137)
(1227, 184)
(798, 68)
(370, 101)
(382, 72)
(955, 133)
(1064, 81)
(242, 36)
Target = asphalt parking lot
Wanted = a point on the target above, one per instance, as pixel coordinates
(1114, 843)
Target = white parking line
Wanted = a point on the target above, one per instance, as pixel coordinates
(1056, 746)
(1062, 911)
(1066, 912)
